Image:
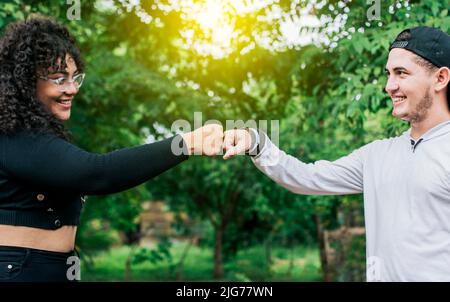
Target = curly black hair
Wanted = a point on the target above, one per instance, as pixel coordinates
(27, 50)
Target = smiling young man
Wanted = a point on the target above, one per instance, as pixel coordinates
(405, 179)
(417, 84)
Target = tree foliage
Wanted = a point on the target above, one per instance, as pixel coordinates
(142, 76)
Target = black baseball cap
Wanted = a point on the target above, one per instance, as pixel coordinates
(430, 43)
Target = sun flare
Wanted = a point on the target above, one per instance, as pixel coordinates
(215, 23)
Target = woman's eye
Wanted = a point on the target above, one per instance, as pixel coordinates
(60, 81)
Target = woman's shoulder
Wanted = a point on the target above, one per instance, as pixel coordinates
(26, 135)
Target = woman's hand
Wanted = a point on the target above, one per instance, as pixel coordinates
(207, 140)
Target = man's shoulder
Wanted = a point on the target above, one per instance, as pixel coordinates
(384, 143)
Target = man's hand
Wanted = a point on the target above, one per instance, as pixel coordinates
(236, 141)
(207, 140)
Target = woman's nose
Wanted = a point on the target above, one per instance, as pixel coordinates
(71, 88)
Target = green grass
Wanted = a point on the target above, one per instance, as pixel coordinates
(249, 265)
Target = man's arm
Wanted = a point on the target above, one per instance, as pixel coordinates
(343, 176)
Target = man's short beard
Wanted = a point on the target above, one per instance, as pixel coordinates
(421, 110)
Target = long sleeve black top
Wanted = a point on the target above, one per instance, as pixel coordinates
(43, 177)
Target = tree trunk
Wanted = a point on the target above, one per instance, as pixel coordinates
(128, 265)
(327, 274)
(218, 260)
(291, 259)
(180, 265)
(268, 251)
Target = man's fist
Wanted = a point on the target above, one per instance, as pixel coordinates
(236, 142)
(207, 140)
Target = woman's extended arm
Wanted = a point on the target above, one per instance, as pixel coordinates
(51, 162)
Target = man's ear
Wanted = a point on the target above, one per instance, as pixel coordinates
(442, 78)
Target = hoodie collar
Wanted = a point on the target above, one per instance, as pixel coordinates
(438, 130)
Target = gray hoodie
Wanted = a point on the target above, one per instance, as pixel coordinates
(406, 186)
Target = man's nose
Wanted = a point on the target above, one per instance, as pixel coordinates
(391, 85)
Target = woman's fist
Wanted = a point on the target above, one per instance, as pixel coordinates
(207, 140)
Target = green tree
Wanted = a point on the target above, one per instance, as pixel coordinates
(142, 76)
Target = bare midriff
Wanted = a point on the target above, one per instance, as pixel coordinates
(60, 240)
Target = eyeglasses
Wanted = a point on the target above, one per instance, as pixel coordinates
(63, 83)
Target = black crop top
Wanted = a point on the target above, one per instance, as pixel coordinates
(43, 178)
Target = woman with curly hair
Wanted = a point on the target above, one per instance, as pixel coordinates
(43, 176)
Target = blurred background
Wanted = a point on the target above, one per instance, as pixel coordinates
(316, 66)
